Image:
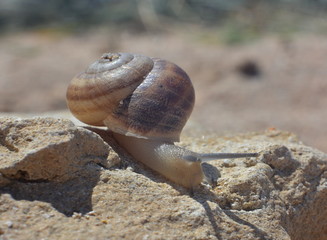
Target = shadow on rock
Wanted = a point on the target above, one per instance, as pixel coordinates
(219, 217)
(74, 195)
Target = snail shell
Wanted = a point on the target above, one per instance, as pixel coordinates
(133, 95)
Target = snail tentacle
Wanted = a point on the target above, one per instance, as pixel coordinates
(206, 157)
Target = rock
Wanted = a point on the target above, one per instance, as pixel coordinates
(51, 160)
(45, 149)
(65, 182)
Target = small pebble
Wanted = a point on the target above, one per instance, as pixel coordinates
(47, 215)
(77, 215)
(9, 224)
(228, 163)
(130, 169)
(249, 162)
(92, 213)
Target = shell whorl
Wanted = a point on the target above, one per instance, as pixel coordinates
(133, 95)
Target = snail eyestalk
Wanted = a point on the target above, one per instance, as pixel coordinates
(206, 157)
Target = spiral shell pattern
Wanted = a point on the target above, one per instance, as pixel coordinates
(133, 95)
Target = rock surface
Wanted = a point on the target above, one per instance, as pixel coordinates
(59, 181)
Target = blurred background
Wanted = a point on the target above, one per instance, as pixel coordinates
(255, 64)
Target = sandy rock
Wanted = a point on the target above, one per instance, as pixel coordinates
(86, 194)
(52, 161)
(46, 149)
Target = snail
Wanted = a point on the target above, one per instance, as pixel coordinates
(145, 102)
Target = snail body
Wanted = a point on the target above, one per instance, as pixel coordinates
(165, 158)
(146, 103)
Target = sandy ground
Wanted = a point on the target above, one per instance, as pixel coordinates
(272, 82)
